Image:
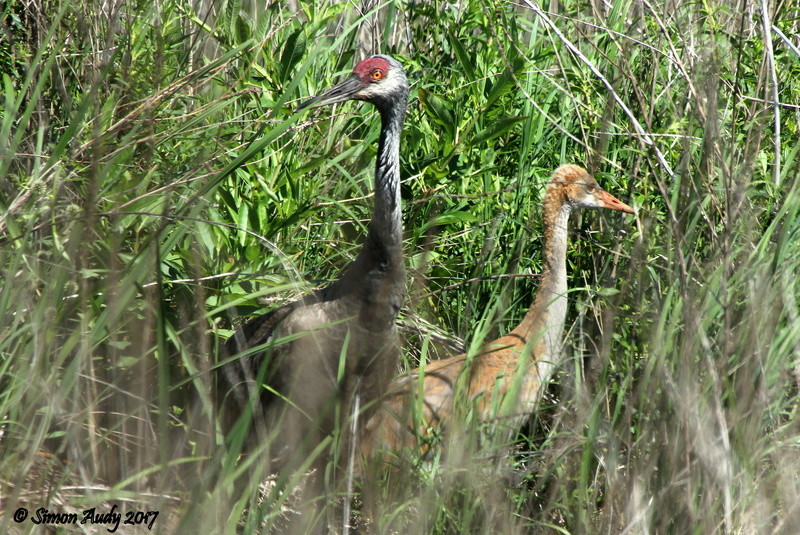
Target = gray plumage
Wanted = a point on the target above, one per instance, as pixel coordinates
(354, 317)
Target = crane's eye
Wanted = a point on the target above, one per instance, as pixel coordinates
(377, 75)
(591, 189)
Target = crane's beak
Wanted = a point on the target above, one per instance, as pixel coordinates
(609, 201)
(344, 91)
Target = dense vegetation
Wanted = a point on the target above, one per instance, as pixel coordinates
(155, 187)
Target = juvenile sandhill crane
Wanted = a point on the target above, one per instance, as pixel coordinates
(503, 381)
(297, 349)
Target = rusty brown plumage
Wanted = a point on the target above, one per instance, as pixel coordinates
(502, 381)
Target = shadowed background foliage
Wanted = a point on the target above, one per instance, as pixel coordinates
(155, 187)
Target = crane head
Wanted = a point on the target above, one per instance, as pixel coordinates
(377, 79)
(582, 190)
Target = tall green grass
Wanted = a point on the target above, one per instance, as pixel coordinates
(155, 188)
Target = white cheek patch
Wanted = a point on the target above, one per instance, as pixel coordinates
(367, 91)
(388, 85)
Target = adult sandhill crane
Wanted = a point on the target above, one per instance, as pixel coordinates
(502, 382)
(320, 353)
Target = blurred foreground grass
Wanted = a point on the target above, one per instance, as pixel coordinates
(154, 187)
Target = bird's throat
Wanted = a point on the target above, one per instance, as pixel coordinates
(386, 217)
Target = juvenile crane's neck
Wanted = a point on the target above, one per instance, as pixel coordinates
(386, 225)
(543, 325)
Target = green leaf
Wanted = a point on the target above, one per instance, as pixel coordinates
(465, 60)
(496, 129)
(242, 222)
(293, 51)
(607, 292)
(126, 362)
(448, 218)
(503, 83)
(253, 252)
(439, 110)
